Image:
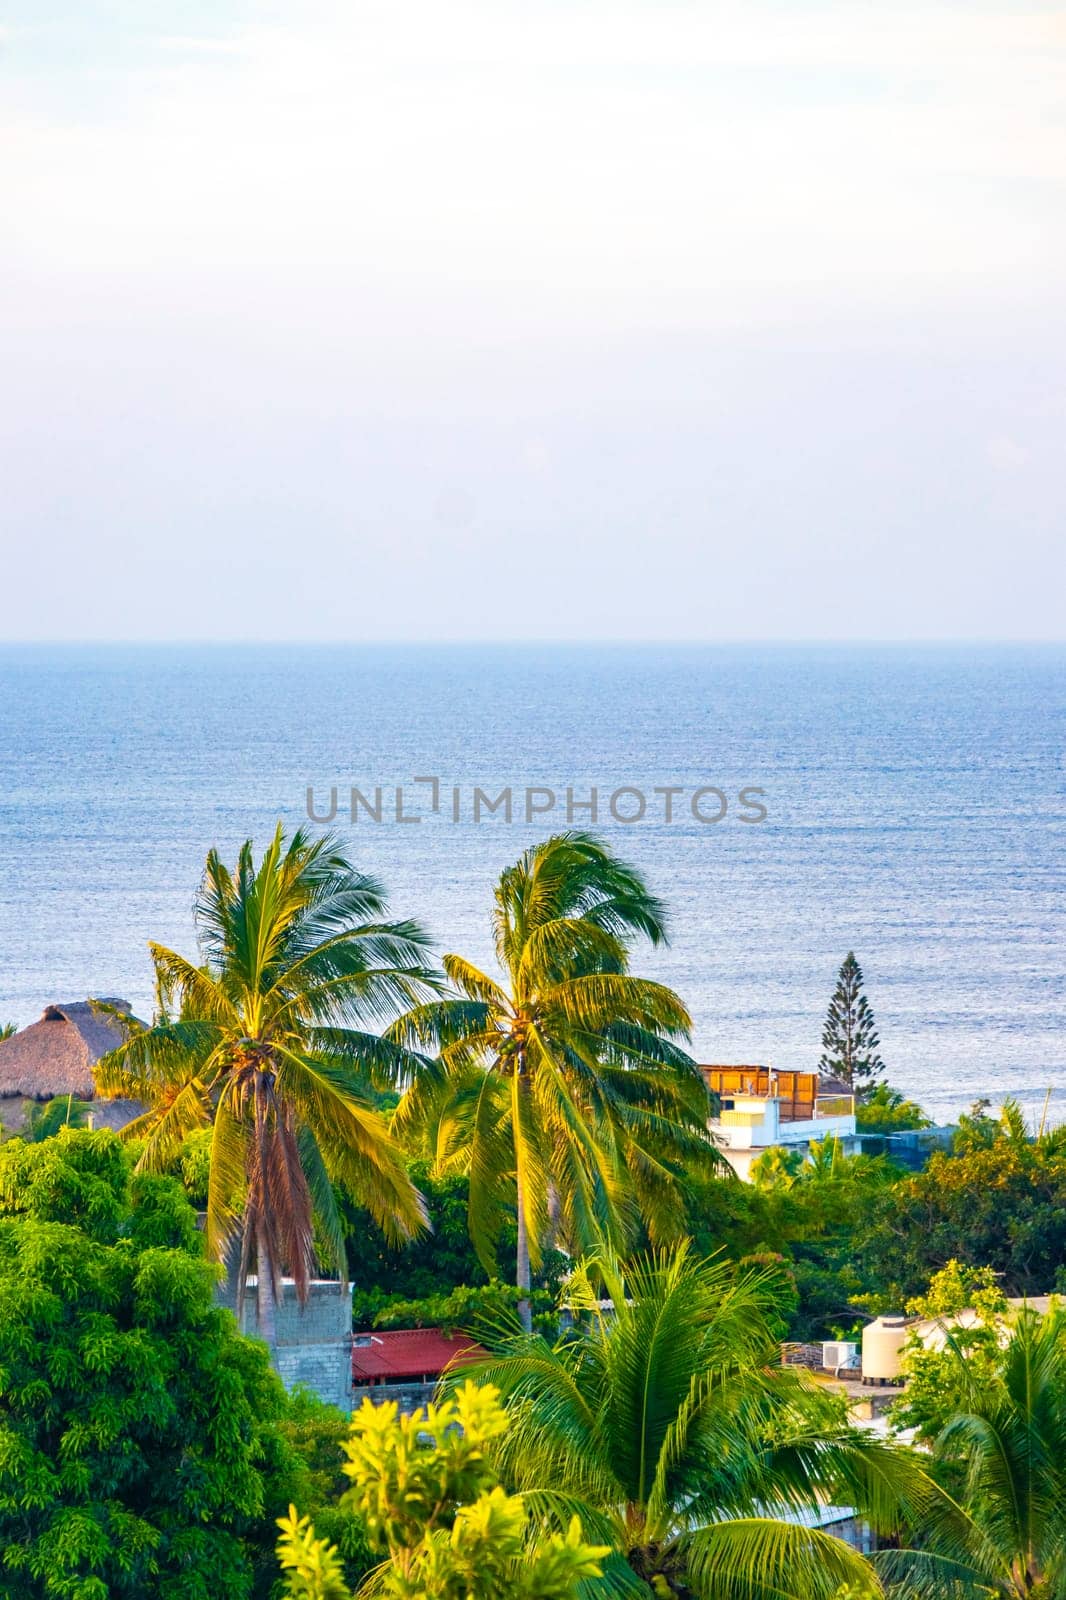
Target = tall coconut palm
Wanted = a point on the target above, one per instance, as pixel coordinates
(668, 1425)
(1004, 1536)
(564, 1089)
(265, 1042)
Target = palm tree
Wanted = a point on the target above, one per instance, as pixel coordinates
(668, 1427)
(45, 1120)
(265, 1043)
(777, 1167)
(8, 1030)
(563, 1089)
(1004, 1536)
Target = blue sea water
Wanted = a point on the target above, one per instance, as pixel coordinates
(914, 797)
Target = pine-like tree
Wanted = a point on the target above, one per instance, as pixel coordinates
(849, 1038)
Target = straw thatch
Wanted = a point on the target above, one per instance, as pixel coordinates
(56, 1055)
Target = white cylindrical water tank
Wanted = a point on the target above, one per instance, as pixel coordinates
(882, 1349)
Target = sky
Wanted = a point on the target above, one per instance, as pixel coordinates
(464, 319)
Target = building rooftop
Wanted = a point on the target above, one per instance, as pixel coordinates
(56, 1055)
(399, 1355)
(799, 1095)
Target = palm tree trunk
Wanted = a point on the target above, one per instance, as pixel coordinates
(522, 1275)
(555, 1216)
(231, 1292)
(264, 1294)
(519, 1093)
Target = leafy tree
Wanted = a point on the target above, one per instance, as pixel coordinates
(960, 1288)
(730, 1218)
(979, 1131)
(1003, 1533)
(884, 1110)
(565, 1087)
(265, 1045)
(670, 1427)
(433, 1262)
(810, 1212)
(139, 1458)
(426, 1490)
(811, 1216)
(8, 1030)
(976, 1130)
(436, 1278)
(193, 1166)
(941, 1375)
(317, 1433)
(480, 1312)
(849, 1038)
(1000, 1205)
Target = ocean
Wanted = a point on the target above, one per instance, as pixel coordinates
(915, 813)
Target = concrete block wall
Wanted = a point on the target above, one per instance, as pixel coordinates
(408, 1396)
(314, 1341)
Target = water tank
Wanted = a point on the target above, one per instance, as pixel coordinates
(882, 1349)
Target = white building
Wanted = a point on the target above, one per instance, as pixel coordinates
(760, 1107)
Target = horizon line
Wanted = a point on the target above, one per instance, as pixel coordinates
(568, 642)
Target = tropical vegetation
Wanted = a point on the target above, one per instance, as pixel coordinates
(998, 1528)
(883, 1109)
(267, 1041)
(44, 1118)
(997, 1199)
(426, 1489)
(669, 1426)
(968, 1311)
(496, 1152)
(140, 1457)
(564, 1092)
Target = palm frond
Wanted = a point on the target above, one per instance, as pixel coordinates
(758, 1558)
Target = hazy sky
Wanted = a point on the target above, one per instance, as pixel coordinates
(449, 319)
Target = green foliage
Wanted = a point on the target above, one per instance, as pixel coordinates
(810, 1214)
(1002, 1450)
(426, 1489)
(998, 1200)
(564, 1092)
(194, 1166)
(316, 1433)
(777, 1166)
(884, 1110)
(435, 1279)
(729, 1217)
(668, 1424)
(45, 1119)
(268, 1046)
(8, 1030)
(434, 1262)
(967, 1353)
(976, 1130)
(138, 1454)
(849, 1038)
(76, 1178)
(956, 1288)
(474, 1310)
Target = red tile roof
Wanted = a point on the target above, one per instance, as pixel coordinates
(397, 1355)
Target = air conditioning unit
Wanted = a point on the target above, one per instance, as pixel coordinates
(839, 1353)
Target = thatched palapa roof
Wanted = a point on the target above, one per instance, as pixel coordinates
(56, 1055)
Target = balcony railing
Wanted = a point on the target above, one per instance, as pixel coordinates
(835, 1105)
